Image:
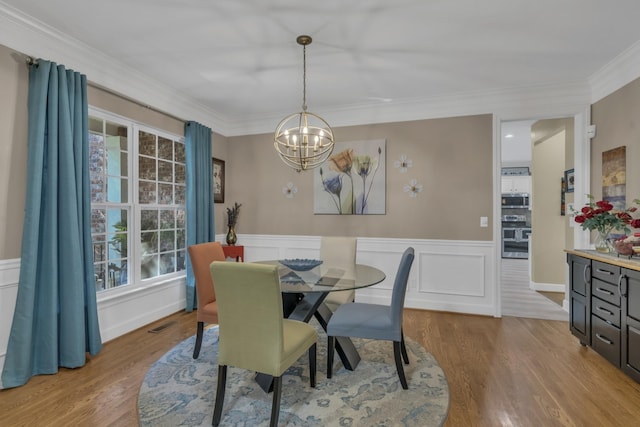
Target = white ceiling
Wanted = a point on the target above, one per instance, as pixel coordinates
(240, 58)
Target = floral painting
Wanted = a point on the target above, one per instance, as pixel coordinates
(352, 180)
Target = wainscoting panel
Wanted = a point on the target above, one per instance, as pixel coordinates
(9, 276)
(456, 276)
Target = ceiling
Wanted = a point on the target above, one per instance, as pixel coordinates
(240, 58)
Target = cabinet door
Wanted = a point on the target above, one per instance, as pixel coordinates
(516, 184)
(580, 298)
(522, 184)
(630, 289)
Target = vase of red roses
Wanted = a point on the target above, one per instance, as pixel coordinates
(602, 218)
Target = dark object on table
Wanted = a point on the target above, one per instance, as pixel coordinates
(299, 264)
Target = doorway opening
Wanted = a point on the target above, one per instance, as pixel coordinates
(530, 160)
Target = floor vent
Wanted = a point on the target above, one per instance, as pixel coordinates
(161, 328)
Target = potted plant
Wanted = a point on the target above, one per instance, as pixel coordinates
(601, 217)
(232, 219)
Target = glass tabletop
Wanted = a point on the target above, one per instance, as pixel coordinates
(326, 278)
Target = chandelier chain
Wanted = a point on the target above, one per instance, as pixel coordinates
(304, 77)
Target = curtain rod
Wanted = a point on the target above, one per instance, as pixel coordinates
(30, 60)
(136, 102)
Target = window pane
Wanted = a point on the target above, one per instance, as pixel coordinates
(149, 241)
(180, 154)
(99, 251)
(165, 148)
(165, 194)
(180, 177)
(117, 190)
(180, 260)
(165, 171)
(181, 240)
(147, 192)
(146, 168)
(117, 274)
(180, 195)
(99, 270)
(149, 266)
(167, 219)
(146, 144)
(149, 219)
(98, 220)
(181, 218)
(167, 263)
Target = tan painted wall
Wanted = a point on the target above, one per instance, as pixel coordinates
(547, 243)
(452, 159)
(617, 120)
(13, 151)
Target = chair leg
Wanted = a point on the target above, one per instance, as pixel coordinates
(312, 365)
(397, 356)
(222, 381)
(405, 356)
(330, 341)
(275, 407)
(199, 333)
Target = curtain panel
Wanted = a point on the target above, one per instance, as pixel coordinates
(55, 321)
(200, 226)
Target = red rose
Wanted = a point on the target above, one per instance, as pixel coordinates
(635, 223)
(580, 219)
(586, 209)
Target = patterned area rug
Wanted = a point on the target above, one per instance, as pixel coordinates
(180, 391)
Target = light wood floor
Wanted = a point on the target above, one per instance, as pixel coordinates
(501, 372)
(519, 300)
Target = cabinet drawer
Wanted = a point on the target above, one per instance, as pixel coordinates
(607, 312)
(605, 339)
(606, 272)
(605, 291)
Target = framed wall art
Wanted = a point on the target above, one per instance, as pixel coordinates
(569, 180)
(218, 180)
(352, 180)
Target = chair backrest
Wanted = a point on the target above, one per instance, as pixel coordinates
(400, 286)
(201, 256)
(249, 316)
(339, 252)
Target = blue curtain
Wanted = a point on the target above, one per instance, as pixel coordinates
(200, 227)
(55, 321)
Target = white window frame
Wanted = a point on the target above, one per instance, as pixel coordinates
(134, 252)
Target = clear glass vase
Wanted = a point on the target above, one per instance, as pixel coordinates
(602, 243)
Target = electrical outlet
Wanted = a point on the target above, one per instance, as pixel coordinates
(484, 221)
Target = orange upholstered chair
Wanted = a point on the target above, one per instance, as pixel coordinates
(202, 255)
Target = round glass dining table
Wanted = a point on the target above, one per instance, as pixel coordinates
(303, 293)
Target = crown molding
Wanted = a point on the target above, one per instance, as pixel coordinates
(34, 38)
(622, 70)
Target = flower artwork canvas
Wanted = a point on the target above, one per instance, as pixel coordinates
(352, 180)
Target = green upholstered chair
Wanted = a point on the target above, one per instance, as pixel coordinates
(340, 253)
(253, 333)
(375, 321)
(201, 256)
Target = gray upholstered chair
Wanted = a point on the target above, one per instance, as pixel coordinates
(340, 253)
(201, 256)
(253, 333)
(375, 321)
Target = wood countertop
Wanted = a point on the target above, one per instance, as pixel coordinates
(614, 259)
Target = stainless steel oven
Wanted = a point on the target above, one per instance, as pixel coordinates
(515, 242)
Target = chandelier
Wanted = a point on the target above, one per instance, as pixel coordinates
(303, 140)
